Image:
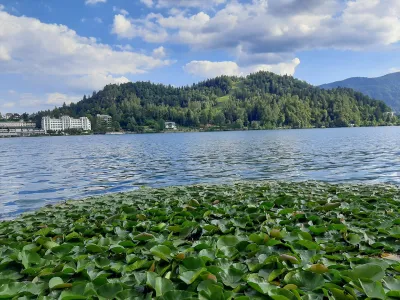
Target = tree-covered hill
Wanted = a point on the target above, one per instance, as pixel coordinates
(260, 100)
(386, 88)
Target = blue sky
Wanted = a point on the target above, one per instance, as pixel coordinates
(52, 52)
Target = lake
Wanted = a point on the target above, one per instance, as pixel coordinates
(38, 171)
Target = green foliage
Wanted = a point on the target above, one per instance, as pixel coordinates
(258, 101)
(386, 88)
(263, 240)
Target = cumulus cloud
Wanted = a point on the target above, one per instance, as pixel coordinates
(1, 7)
(29, 46)
(58, 99)
(159, 52)
(120, 11)
(208, 69)
(124, 27)
(95, 81)
(189, 3)
(4, 54)
(148, 3)
(271, 32)
(31, 102)
(92, 2)
(51, 56)
(7, 104)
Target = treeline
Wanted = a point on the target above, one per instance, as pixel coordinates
(260, 100)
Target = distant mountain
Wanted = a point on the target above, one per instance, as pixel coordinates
(261, 100)
(386, 88)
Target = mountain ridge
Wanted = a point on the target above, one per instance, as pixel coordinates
(260, 100)
(385, 88)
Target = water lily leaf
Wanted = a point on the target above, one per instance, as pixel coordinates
(162, 286)
(353, 239)
(29, 258)
(373, 289)
(193, 263)
(368, 271)
(73, 236)
(94, 248)
(260, 285)
(143, 237)
(162, 252)
(58, 283)
(117, 249)
(341, 294)
(109, 290)
(227, 241)
(8, 291)
(208, 290)
(50, 244)
(308, 281)
(189, 277)
(232, 277)
(179, 295)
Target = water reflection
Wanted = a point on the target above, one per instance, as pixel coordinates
(36, 171)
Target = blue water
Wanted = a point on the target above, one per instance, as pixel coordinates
(38, 171)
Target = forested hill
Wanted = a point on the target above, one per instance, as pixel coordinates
(386, 88)
(260, 100)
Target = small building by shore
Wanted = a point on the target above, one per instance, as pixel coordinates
(170, 125)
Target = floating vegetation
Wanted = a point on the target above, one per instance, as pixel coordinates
(264, 240)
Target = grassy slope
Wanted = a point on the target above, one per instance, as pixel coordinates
(245, 241)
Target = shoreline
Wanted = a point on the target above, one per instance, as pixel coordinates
(246, 239)
(194, 130)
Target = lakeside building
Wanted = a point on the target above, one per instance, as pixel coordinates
(9, 116)
(64, 123)
(20, 132)
(390, 114)
(170, 125)
(104, 119)
(15, 125)
(18, 129)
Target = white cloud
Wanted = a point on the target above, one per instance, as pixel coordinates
(98, 20)
(2, 7)
(394, 70)
(208, 69)
(29, 46)
(269, 31)
(188, 3)
(32, 102)
(127, 28)
(58, 99)
(4, 54)
(159, 52)
(8, 104)
(120, 11)
(95, 81)
(148, 3)
(92, 2)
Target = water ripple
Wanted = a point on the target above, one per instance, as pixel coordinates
(38, 171)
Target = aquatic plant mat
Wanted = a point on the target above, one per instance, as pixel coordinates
(264, 240)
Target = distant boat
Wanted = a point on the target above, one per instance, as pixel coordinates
(115, 132)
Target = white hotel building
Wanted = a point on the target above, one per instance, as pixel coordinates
(64, 123)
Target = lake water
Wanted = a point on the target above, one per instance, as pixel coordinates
(38, 171)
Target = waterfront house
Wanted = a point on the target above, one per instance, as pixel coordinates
(104, 119)
(65, 122)
(170, 125)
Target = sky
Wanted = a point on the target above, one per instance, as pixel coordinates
(54, 52)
